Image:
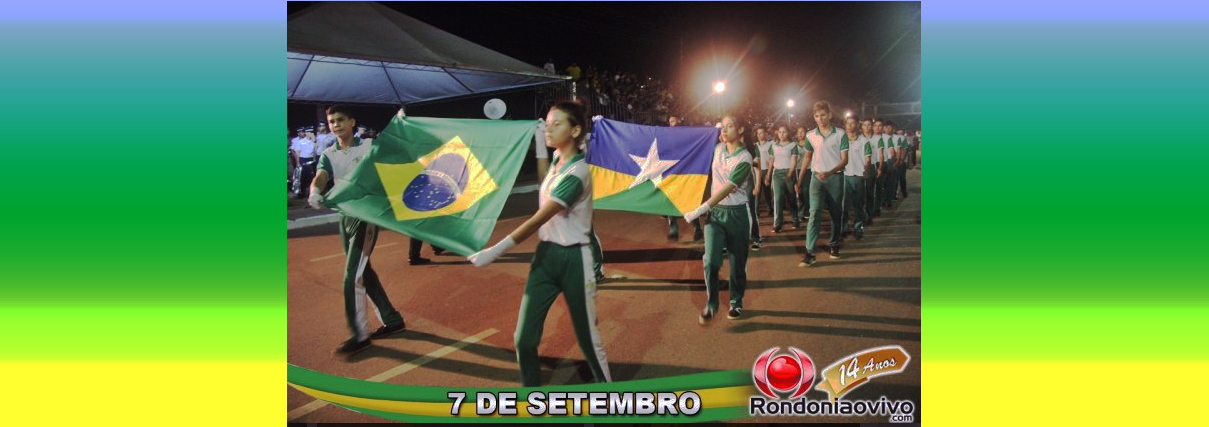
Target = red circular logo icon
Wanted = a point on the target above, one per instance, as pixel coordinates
(791, 373)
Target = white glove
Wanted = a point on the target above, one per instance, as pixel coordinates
(489, 255)
(316, 200)
(692, 215)
(597, 118)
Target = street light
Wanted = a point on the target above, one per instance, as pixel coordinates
(719, 86)
(789, 103)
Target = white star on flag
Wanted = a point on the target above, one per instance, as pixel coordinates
(652, 167)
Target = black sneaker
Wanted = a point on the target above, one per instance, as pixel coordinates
(705, 317)
(755, 246)
(835, 252)
(673, 237)
(860, 235)
(437, 251)
(600, 278)
(806, 260)
(386, 331)
(351, 347)
(734, 313)
(418, 261)
(698, 235)
(776, 230)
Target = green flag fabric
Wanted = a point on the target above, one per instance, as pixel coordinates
(443, 181)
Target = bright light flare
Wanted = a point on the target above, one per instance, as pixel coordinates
(719, 87)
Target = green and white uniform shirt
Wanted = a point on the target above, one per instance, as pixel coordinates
(731, 168)
(339, 163)
(765, 158)
(888, 140)
(803, 148)
(782, 155)
(856, 156)
(875, 143)
(569, 185)
(827, 148)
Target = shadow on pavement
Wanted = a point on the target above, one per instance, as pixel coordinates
(745, 327)
(620, 371)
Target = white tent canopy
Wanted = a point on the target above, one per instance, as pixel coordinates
(362, 52)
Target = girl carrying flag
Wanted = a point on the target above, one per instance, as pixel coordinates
(729, 223)
(563, 260)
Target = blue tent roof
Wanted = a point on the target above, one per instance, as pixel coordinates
(363, 52)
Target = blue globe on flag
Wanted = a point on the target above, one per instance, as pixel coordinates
(439, 185)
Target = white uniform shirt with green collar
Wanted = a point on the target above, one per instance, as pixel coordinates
(783, 154)
(339, 163)
(731, 168)
(765, 159)
(857, 152)
(801, 155)
(570, 185)
(888, 140)
(827, 148)
(875, 143)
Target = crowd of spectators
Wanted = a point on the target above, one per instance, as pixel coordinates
(625, 95)
(634, 98)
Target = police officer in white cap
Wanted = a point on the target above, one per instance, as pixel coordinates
(304, 148)
(323, 139)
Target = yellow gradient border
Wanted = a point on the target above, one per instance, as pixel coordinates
(143, 393)
(1062, 393)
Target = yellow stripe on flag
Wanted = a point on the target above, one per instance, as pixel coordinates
(684, 191)
(607, 182)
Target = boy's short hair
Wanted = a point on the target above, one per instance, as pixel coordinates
(822, 106)
(342, 109)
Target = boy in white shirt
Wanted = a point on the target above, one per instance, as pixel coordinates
(828, 148)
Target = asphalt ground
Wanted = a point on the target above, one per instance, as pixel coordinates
(460, 319)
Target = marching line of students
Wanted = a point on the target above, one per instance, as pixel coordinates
(853, 172)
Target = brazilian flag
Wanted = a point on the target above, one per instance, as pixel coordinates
(443, 181)
(649, 169)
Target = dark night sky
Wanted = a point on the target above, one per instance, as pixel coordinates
(836, 51)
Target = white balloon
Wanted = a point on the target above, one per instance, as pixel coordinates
(495, 108)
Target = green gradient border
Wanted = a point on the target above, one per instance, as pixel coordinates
(138, 219)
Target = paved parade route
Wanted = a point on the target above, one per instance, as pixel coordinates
(460, 319)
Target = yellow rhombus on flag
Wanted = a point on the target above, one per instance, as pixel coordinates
(439, 194)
